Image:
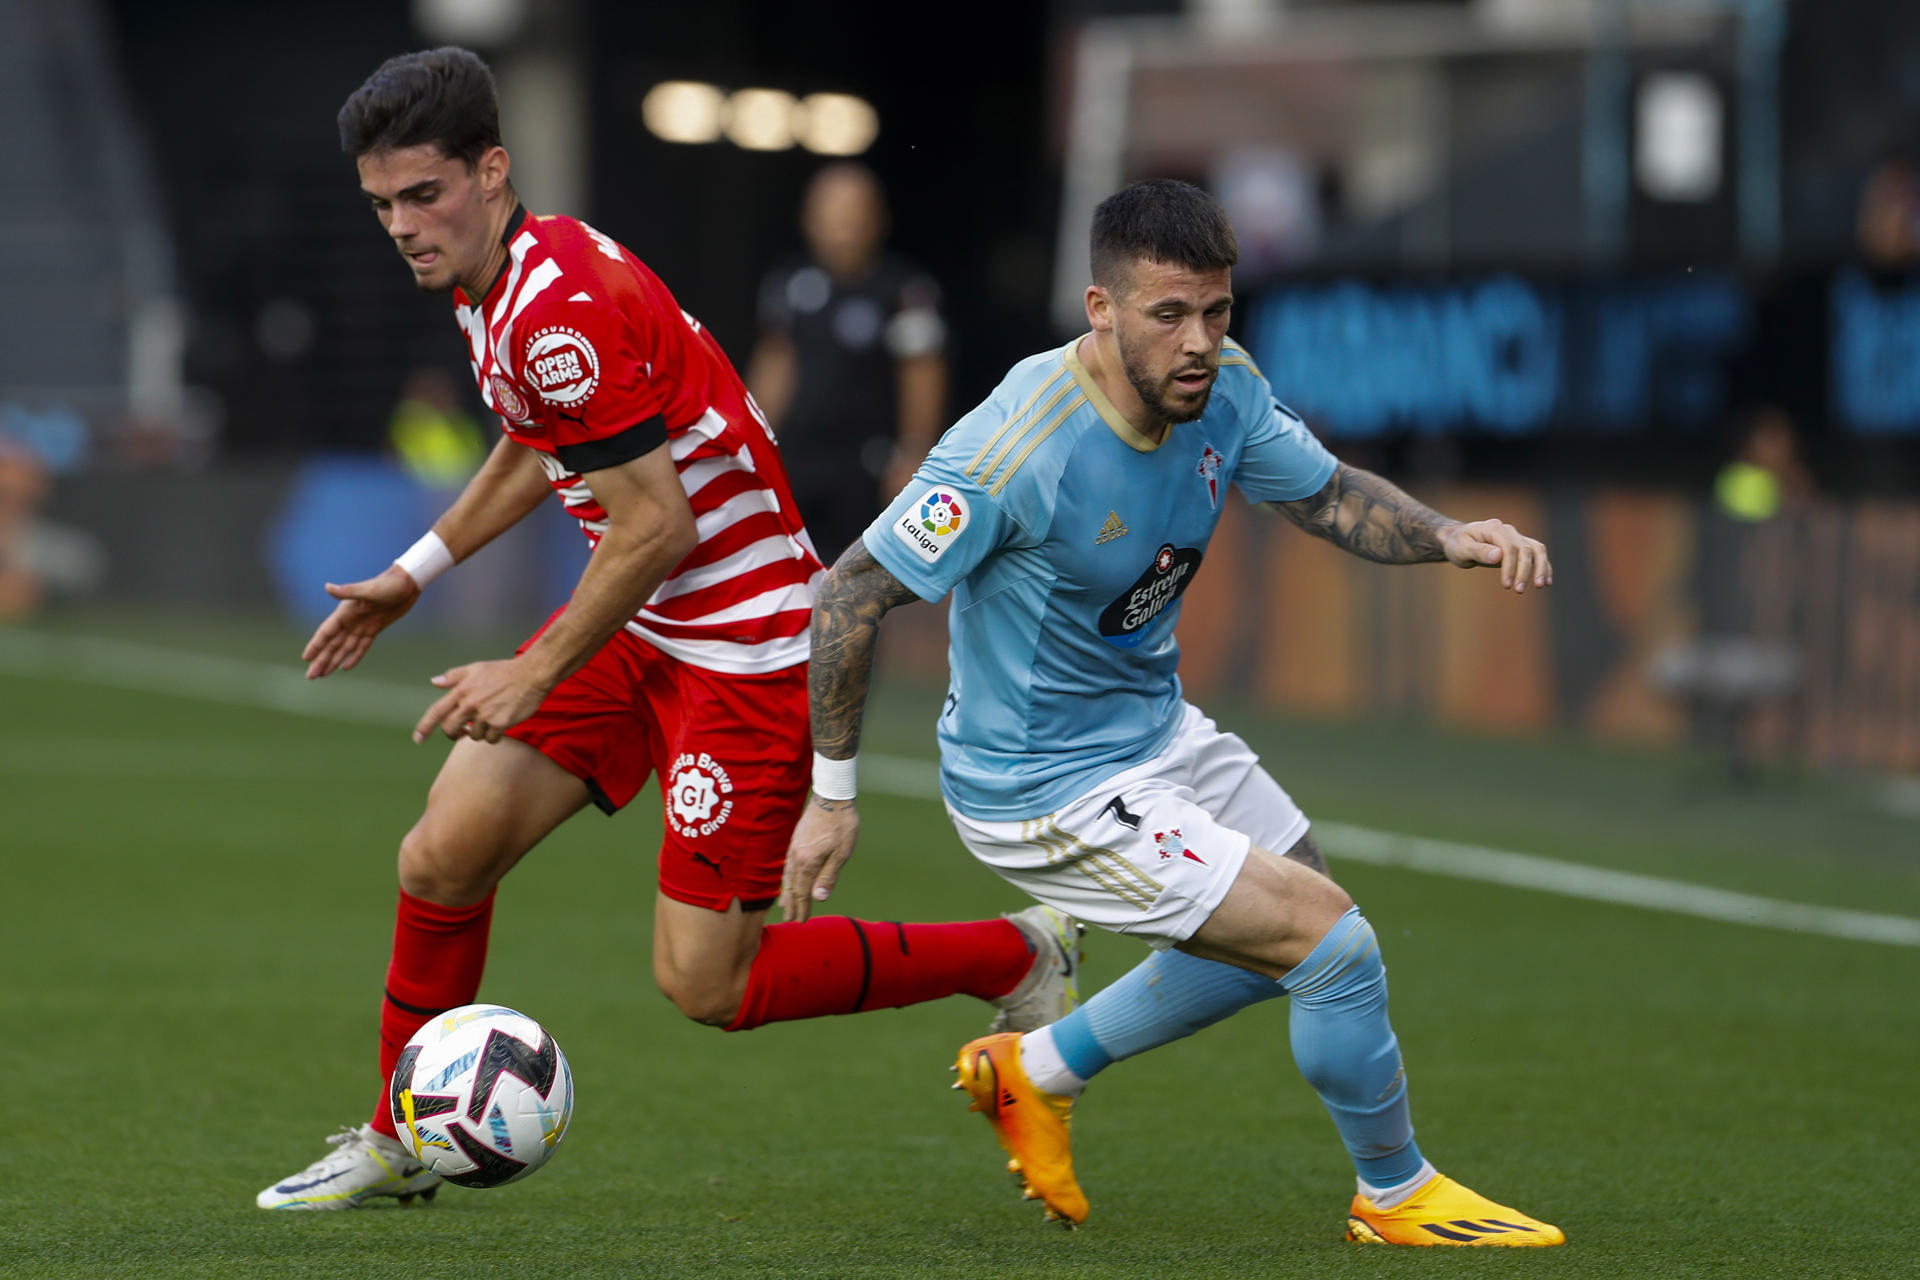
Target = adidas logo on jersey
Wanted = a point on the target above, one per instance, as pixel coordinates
(1110, 530)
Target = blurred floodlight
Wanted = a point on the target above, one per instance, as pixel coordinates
(761, 119)
(1679, 118)
(482, 22)
(684, 111)
(835, 124)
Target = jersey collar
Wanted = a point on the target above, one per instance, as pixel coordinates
(1127, 432)
(514, 223)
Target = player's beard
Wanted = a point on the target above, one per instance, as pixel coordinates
(427, 284)
(1157, 393)
(430, 281)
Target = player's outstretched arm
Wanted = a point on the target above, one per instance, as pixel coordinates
(650, 529)
(1373, 518)
(507, 486)
(854, 596)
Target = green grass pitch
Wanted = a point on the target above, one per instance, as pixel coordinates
(197, 906)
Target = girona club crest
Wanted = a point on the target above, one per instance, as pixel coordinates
(507, 399)
(699, 795)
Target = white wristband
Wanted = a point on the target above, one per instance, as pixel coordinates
(426, 559)
(833, 779)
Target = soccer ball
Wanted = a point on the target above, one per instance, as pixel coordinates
(482, 1095)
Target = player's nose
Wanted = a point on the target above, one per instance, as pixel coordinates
(1195, 338)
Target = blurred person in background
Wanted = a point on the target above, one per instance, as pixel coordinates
(23, 484)
(1836, 353)
(1765, 475)
(434, 438)
(850, 365)
(681, 654)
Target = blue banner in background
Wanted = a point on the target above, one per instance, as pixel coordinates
(1876, 355)
(347, 516)
(1501, 354)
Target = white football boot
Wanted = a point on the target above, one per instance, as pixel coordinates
(1051, 989)
(364, 1165)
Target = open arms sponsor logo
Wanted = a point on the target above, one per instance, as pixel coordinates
(930, 525)
(1124, 622)
(561, 365)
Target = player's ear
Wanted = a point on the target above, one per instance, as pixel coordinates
(1099, 308)
(492, 168)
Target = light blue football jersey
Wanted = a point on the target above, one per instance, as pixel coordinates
(1067, 539)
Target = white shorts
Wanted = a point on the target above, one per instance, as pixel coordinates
(1153, 850)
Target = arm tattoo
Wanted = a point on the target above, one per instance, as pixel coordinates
(1307, 854)
(1357, 511)
(857, 592)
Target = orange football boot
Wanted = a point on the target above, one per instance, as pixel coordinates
(1031, 1124)
(1444, 1212)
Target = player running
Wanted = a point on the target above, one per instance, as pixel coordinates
(682, 652)
(1067, 515)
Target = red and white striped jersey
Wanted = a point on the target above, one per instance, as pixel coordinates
(590, 362)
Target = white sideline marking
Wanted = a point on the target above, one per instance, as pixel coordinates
(1597, 884)
(239, 682)
(124, 664)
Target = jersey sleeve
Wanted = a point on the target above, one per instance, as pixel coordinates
(1283, 460)
(587, 366)
(939, 528)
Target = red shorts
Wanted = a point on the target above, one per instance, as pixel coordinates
(733, 754)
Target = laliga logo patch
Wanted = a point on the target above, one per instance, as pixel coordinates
(697, 795)
(941, 514)
(561, 365)
(507, 400)
(931, 524)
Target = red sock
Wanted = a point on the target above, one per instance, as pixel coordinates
(438, 954)
(834, 964)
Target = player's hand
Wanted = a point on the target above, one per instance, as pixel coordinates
(365, 610)
(483, 700)
(821, 845)
(1522, 561)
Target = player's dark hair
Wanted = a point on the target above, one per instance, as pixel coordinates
(1162, 220)
(439, 97)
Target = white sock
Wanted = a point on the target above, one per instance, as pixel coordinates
(1044, 1065)
(1394, 1196)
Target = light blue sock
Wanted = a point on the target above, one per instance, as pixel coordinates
(1345, 1047)
(1163, 998)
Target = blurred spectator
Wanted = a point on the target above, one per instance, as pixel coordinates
(23, 482)
(1887, 224)
(850, 365)
(1272, 197)
(1836, 352)
(434, 438)
(1765, 475)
